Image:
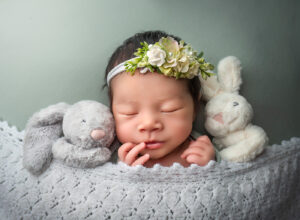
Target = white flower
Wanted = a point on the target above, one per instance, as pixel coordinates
(156, 56)
(183, 65)
(194, 69)
(170, 63)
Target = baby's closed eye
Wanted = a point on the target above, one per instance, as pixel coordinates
(126, 110)
(171, 109)
(128, 113)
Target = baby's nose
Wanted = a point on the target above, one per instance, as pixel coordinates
(97, 134)
(149, 125)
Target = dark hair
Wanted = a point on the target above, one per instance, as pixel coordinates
(126, 51)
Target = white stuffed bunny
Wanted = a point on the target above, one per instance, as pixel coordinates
(228, 114)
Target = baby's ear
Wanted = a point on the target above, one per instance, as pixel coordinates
(229, 74)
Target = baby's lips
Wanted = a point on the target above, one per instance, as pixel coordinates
(97, 134)
(219, 118)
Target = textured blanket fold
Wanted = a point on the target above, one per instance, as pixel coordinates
(267, 188)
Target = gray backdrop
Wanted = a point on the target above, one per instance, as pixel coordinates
(57, 50)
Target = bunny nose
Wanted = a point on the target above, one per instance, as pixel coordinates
(97, 134)
(219, 117)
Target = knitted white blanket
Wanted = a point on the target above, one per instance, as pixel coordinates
(267, 188)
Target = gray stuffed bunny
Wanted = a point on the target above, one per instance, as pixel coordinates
(79, 135)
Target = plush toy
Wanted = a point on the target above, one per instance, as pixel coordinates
(79, 135)
(228, 114)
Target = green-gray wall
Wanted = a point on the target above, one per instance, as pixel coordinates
(57, 50)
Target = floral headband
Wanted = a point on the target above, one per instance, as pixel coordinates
(167, 57)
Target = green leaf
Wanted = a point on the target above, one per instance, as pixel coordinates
(200, 55)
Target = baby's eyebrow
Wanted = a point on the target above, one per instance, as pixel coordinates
(125, 102)
(159, 100)
(177, 98)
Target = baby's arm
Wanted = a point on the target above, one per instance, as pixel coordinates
(200, 151)
(129, 152)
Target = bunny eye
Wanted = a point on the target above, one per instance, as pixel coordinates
(235, 103)
(83, 121)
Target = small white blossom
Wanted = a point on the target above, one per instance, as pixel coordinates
(156, 56)
(144, 70)
(194, 69)
(170, 63)
(183, 65)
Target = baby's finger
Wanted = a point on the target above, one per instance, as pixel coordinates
(133, 153)
(204, 138)
(141, 160)
(192, 150)
(196, 160)
(198, 144)
(203, 148)
(207, 148)
(124, 149)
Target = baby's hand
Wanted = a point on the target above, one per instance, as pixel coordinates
(200, 151)
(129, 152)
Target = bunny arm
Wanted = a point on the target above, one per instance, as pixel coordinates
(42, 129)
(231, 138)
(74, 156)
(247, 147)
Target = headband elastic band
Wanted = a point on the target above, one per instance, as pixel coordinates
(116, 70)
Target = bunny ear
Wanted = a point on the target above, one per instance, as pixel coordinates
(50, 115)
(229, 74)
(42, 129)
(209, 87)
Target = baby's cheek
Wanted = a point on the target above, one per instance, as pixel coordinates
(181, 127)
(124, 132)
(121, 133)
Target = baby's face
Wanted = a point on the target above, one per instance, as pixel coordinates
(154, 109)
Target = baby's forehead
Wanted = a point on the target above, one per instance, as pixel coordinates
(150, 86)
